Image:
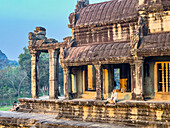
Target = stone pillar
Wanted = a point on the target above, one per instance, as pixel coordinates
(53, 73)
(66, 83)
(133, 79)
(99, 92)
(137, 79)
(34, 79)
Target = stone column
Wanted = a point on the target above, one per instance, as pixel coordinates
(137, 79)
(133, 79)
(53, 73)
(99, 92)
(34, 79)
(66, 83)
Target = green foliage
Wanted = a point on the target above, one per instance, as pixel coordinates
(43, 73)
(5, 108)
(25, 64)
(15, 81)
(12, 84)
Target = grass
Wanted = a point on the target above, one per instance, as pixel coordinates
(5, 108)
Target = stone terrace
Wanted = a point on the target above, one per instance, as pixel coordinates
(16, 119)
(134, 113)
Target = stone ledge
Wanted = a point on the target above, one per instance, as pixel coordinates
(15, 119)
(145, 113)
(83, 102)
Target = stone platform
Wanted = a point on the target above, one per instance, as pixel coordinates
(134, 113)
(34, 120)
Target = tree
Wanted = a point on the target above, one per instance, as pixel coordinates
(25, 64)
(14, 78)
(43, 73)
(43, 69)
(15, 81)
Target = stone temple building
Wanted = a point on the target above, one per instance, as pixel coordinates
(118, 44)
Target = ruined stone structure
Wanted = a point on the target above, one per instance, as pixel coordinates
(118, 44)
(121, 44)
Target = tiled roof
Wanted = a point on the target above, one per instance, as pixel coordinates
(157, 40)
(157, 44)
(99, 51)
(107, 12)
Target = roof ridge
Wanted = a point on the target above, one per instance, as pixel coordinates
(99, 3)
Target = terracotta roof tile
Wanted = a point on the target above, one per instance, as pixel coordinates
(107, 12)
(157, 40)
(99, 51)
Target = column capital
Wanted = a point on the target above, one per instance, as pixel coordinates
(35, 53)
(97, 65)
(53, 53)
(138, 58)
(132, 64)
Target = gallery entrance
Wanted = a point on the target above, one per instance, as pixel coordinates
(116, 76)
(162, 77)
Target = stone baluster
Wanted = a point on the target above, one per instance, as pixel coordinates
(53, 73)
(34, 77)
(99, 92)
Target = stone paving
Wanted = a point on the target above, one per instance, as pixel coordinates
(43, 120)
(62, 98)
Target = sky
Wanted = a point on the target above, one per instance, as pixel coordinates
(19, 17)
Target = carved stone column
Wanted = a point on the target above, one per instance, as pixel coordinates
(34, 79)
(133, 79)
(53, 73)
(137, 79)
(66, 83)
(99, 92)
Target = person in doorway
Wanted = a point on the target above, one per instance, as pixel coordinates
(113, 98)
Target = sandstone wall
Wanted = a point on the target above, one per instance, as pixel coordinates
(145, 113)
